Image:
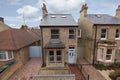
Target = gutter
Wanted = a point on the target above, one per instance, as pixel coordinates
(94, 44)
(43, 64)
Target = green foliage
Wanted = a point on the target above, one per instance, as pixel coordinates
(114, 75)
(109, 42)
(23, 27)
(102, 67)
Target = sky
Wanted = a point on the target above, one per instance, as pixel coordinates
(20, 12)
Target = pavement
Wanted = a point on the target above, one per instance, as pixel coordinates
(75, 70)
(32, 67)
(93, 73)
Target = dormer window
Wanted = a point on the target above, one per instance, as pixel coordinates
(103, 34)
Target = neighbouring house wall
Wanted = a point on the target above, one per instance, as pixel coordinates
(111, 31)
(87, 39)
(64, 38)
(19, 55)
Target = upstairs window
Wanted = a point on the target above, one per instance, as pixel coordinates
(71, 34)
(79, 33)
(103, 34)
(55, 34)
(117, 35)
(6, 55)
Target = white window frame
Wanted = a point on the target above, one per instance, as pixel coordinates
(100, 52)
(72, 34)
(55, 56)
(109, 54)
(118, 34)
(7, 57)
(79, 31)
(103, 33)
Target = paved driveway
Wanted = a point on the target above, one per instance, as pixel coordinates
(32, 67)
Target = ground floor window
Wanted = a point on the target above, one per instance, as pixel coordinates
(100, 53)
(55, 56)
(109, 55)
(6, 55)
(105, 54)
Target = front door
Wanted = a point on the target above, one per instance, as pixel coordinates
(71, 55)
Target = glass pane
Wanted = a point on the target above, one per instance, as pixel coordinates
(51, 59)
(54, 36)
(2, 56)
(103, 31)
(71, 36)
(103, 35)
(101, 52)
(51, 53)
(108, 57)
(59, 59)
(54, 31)
(9, 54)
(58, 53)
(117, 35)
(2, 51)
(71, 31)
(109, 51)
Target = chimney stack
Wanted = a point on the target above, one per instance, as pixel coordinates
(83, 11)
(44, 10)
(118, 12)
(1, 19)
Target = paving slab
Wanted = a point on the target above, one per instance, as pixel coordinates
(32, 67)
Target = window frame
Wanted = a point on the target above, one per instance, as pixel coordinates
(55, 56)
(117, 34)
(7, 56)
(72, 34)
(79, 33)
(110, 55)
(103, 34)
(99, 54)
(52, 34)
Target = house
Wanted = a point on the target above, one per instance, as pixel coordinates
(100, 36)
(59, 39)
(2, 25)
(15, 45)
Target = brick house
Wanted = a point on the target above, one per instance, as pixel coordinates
(100, 36)
(59, 39)
(15, 43)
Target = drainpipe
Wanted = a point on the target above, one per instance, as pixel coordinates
(42, 47)
(94, 44)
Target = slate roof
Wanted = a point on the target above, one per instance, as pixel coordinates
(13, 39)
(58, 20)
(103, 19)
(54, 44)
(3, 26)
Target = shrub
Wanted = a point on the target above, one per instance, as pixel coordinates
(114, 75)
(102, 67)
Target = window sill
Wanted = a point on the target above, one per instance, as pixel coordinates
(108, 60)
(103, 39)
(117, 38)
(5, 59)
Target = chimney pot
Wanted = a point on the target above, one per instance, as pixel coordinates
(2, 19)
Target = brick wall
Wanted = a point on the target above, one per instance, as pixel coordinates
(64, 37)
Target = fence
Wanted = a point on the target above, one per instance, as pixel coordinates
(86, 76)
(54, 77)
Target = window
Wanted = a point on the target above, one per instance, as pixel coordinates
(71, 34)
(103, 34)
(109, 55)
(6, 55)
(79, 33)
(55, 56)
(117, 36)
(55, 34)
(59, 56)
(100, 54)
(51, 56)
